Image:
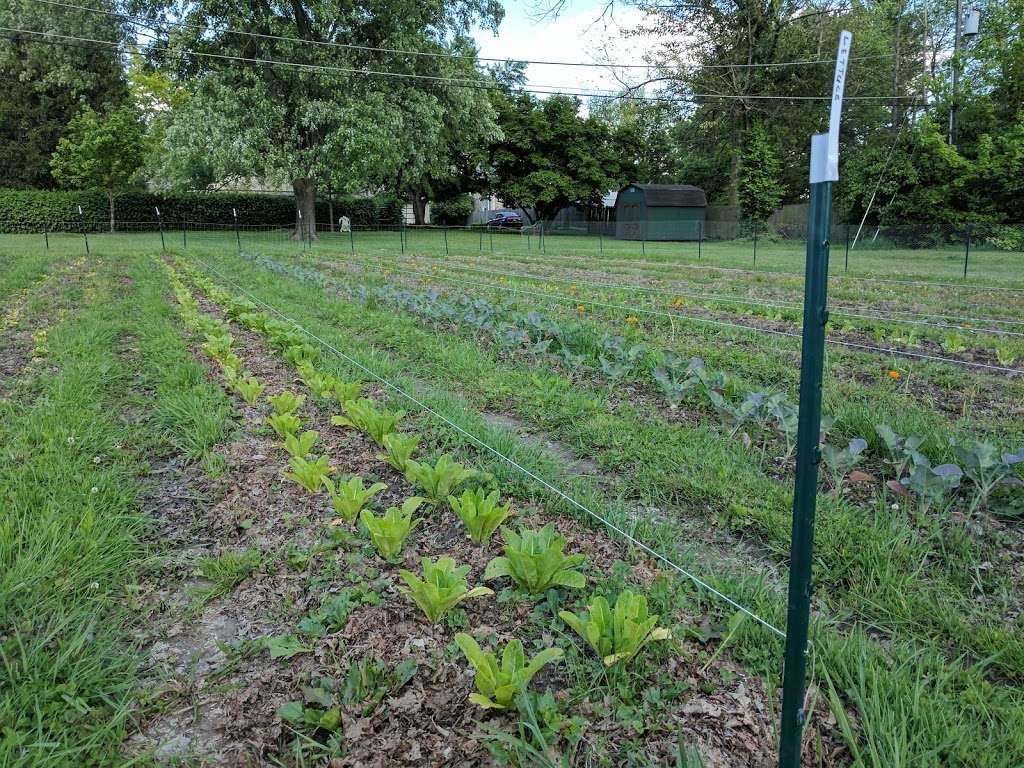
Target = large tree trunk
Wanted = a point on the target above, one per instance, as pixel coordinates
(419, 207)
(110, 201)
(305, 209)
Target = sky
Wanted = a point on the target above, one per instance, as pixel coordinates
(578, 34)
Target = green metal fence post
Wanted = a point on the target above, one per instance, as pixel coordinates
(446, 251)
(238, 236)
(490, 235)
(46, 236)
(700, 238)
(480, 247)
(401, 237)
(967, 249)
(543, 240)
(351, 239)
(846, 264)
(160, 223)
(755, 245)
(85, 235)
(600, 239)
(184, 233)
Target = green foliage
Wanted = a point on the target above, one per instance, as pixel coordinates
(224, 572)
(310, 474)
(286, 402)
(363, 415)
(440, 480)
(399, 449)
(285, 647)
(350, 497)
(300, 445)
(304, 357)
(480, 512)
(841, 460)
(536, 561)
(249, 387)
(347, 390)
(455, 210)
(499, 685)
(389, 532)
(284, 423)
(618, 634)
(442, 588)
(760, 188)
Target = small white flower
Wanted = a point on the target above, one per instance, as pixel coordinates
(94, 489)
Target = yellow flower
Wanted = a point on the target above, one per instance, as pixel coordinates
(678, 303)
(894, 375)
(581, 308)
(632, 320)
(572, 287)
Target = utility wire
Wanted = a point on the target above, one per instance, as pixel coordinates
(510, 461)
(135, 19)
(457, 82)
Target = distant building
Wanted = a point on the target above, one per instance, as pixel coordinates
(660, 212)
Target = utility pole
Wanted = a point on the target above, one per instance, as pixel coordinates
(960, 31)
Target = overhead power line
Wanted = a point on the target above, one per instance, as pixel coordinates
(482, 84)
(153, 24)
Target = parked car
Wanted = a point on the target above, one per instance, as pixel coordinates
(505, 219)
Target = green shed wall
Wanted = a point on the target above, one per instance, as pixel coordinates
(635, 220)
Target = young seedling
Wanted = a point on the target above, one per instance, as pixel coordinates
(249, 388)
(985, 467)
(300, 355)
(499, 685)
(388, 533)
(438, 481)
(617, 635)
(310, 474)
(902, 451)
(480, 512)
(841, 460)
(536, 561)
(286, 402)
(442, 588)
(363, 414)
(399, 449)
(300, 445)
(932, 484)
(284, 423)
(350, 497)
(347, 390)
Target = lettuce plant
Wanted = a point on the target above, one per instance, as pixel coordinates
(320, 382)
(398, 449)
(499, 685)
(618, 634)
(388, 533)
(284, 423)
(480, 512)
(300, 445)
(347, 390)
(300, 355)
(442, 588)
(217, 345)
(363, 415)
(841, 460)
(350, 497)
(286, 402)
(536, 561)
(309, 473)
(440, 480)
(249, 387)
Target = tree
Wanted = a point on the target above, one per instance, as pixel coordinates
(101, 151)
(45, 82)
(550, 157)
(760, 191)
(328, 121)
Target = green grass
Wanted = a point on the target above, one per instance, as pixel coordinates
(868, 566)
(76, 448)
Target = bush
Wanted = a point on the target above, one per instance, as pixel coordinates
(34, 210)
(457, 210)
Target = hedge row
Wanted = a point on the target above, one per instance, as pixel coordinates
(36, 210)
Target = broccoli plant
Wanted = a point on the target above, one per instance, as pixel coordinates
(350, 497)
(310, 474)
(480, 512)
(442, 588)
(438, 481)
(300, 445)
(536, 561)
(398, 450)
(902, 451)
(841, 460)
(284, 423)
(675, 378)
(389, 532)
(932, 484)
(618, 634)
(286, 402)
(499, 685)
(986, 468)
(363, 415)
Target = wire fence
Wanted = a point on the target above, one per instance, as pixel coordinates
(930, 252)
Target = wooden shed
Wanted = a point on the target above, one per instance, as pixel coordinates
(660, 212)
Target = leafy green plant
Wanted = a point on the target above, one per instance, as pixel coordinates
(480, 512)
(536, 561)
(300, 445)
(284, 423)
(499, 685)
(250, 388)
(902, 451)
(347, 390)
(841, 460)
(363, 415)
(350, 497)
(320, 382)
(932, 484)
(398, 449)
(985, 467)
(440, 480)
(1006, 354)
(286, 402)
(388, 533)
(310, 474)
(954, 343)
(368, 681)
(285, 646)
(218, 345)
(442, 588)
(300, 355)
(618, 634)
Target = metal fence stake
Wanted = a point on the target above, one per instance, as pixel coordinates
(46, 236)
(351, 239)
(160, 223)
(967, 249)
(184, 233)
(846, 264)
(755, 245)
(238, 237)
(446, 251)
(700, 238)
(85, 235)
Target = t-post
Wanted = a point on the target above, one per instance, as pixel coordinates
(85, 235)
(238, 237)
(700, 238)
(967, 248)
(445, 230)
(46, 236)
(755, 245)
(160, 223)
(824, 171)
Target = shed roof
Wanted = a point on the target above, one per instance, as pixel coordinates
(672, 195)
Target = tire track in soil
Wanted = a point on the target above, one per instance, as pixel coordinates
(224, 710)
